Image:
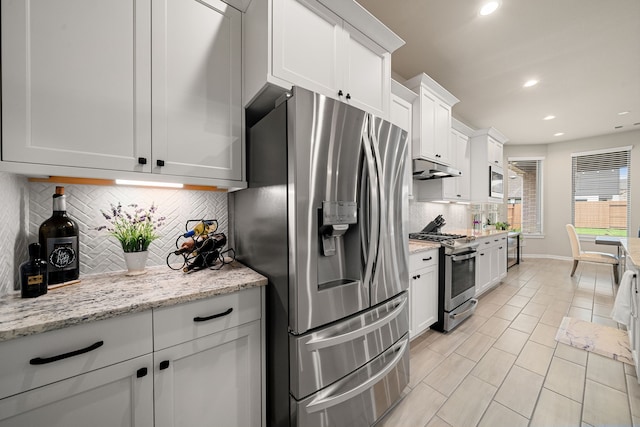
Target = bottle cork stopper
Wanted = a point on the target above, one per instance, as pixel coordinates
(60, 191)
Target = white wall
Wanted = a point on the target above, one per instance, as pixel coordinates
(557, 188)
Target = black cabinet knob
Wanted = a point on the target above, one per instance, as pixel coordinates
(142, 160)
(160, 163)
(141, 372)
(348, 96)
(418, 276)
(164, 365)
(340, 92)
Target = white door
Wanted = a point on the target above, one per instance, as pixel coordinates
(483, 270)
(367, 73)
(307, 39)
(118, 395)
(196, 81)
(75, 86)
(210, 381)
(424, 298)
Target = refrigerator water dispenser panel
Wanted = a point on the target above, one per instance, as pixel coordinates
(336, 218)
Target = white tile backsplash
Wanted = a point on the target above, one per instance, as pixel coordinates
(422, 213)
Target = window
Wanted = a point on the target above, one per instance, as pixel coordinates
(600, 192)
(524, 195)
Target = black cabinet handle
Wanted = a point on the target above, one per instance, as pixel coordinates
(500, 247)
(481, 254)
(427, 259)
(340, 92)
(495, 240)
(160, 163)
(164, 365)
(142, 160)
(418, 276)
(458, 195)
(486, 243)
(45, 360)
(348, 96)
(495, 161)
(213, 316)
(142, 372)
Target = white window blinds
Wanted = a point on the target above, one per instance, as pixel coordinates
(524, 190)
(600, 192)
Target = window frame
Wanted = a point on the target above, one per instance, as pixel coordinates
(539, 190)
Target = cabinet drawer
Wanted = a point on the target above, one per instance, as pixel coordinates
(423, 259)
(185, 322)
(41, 359)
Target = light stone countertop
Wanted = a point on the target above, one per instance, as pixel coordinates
(416, 246)
(102, 296)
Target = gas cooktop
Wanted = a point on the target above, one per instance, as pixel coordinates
(452, 243)
(434, 236)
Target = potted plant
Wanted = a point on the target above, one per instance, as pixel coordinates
(135, 232)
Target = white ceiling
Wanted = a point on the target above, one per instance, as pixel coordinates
(585, 53)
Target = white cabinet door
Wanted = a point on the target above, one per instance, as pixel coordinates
(196, 85)
(483, 270)
(400, 115)
(495, 152)
(424, 299)
(307, 39)
(442, 129)
(118, 395)
(367, 73)
(210, 381)
(75, 85)
(458, 188)
(502, 258)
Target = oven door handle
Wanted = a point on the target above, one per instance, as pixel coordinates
(324, 342)
(458, 258)
(323, 402)
(463, 313)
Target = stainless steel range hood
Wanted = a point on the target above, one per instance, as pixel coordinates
(427, 169)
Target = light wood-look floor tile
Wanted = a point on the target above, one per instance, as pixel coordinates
(566, 378)
(519, 391)
(525, 323)
(535, 357)
(545, 335)
(475, 347)
(447, 343)
(422, 364)
(494, 327)
(580, 313)
(498, 415)
(468, 403)
(438, 422)
(494, 366)
(449, 374)
(555, 410)
(552, 317)
(511, 341)
(606, 371)
(534, 309)
(518, 301)
(416, 409)
(572, 354)
(605, 406)
(507, 312)
(486, 308)
(633, 391)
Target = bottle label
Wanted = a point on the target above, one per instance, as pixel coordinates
(62, 253)
(35, 280)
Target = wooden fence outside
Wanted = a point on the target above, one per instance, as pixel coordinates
(611, 214)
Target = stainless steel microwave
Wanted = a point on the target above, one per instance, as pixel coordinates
(496, 182)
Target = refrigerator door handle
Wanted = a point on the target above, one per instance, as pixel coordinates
(372, 217)
(324, 342)
(324, 402)
(381, 196)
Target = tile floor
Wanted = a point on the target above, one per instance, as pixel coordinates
(503, 367)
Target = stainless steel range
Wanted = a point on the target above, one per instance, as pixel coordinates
(456, 278)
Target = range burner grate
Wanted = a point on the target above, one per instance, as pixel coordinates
(434, 237)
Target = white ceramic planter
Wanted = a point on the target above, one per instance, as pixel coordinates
(136, 262)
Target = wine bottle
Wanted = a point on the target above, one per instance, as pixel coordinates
(58, 238)
(33, 274)
(202, 228)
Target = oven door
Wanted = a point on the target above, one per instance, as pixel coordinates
(459, 279)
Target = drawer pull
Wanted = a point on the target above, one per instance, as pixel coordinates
(164, 365)
(142, 372)
(45, 360)
(427, 259)
(213, 316)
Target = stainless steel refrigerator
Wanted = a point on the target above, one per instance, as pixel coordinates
(324, 219)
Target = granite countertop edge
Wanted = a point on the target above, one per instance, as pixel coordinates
(117, 295)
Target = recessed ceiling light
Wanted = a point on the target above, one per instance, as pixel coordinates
(558, 134)
(530, 83)
(489, 8)
(549, 117)
(622, 113)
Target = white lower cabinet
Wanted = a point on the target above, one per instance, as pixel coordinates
(423, 291)
(107, 373)
(214, 380)
(491, 262)
(117, 395)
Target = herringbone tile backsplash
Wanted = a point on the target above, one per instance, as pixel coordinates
(99, 252)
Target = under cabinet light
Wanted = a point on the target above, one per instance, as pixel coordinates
(549, 117)
(148, 183)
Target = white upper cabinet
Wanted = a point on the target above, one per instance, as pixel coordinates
(337, 49)
(486, 155)
(401, 116)
(459, 188)
(93, 87)
(196, 84)
(431, 119)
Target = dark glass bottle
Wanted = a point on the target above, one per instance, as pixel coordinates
(59, 247)
(33, 274)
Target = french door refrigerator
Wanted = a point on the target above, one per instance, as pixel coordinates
(323, 218)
